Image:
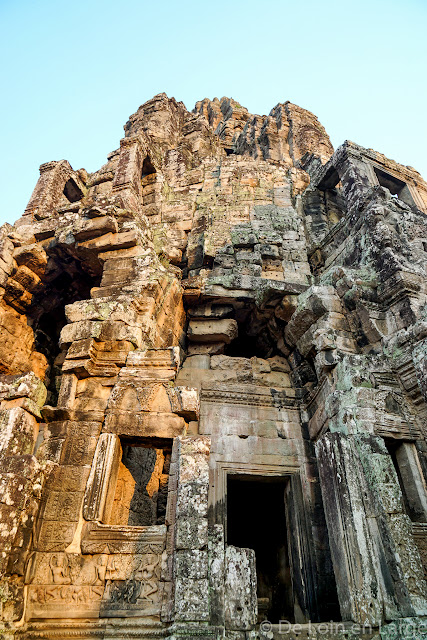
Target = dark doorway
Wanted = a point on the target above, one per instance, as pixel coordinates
(256, 519)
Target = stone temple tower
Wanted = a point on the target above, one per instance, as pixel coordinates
(213, 357)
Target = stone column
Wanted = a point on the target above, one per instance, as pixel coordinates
(190, 564)
(215, 586)
(377, 565)
(101, 485)
(22, 478)
(419, 356)
(412, 480)
(354, 174)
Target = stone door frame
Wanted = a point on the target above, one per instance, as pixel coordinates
(302, 561)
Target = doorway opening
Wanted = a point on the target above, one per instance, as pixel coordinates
(256, 519)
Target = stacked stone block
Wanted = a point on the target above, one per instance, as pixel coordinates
(239, 303)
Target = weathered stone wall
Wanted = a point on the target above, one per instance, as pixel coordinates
(226, 303)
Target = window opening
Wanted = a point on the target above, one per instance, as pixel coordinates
(147, 167)
(329, 180)
(255, 334)
(142, 484)
(148, 180)
(411, 481)
(397, 187)
(334, 205)
(72, 191)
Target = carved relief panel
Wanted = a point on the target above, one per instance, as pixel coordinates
(92, 586)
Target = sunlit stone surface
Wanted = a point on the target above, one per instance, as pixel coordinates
(213, 387)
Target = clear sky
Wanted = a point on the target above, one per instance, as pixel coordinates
(72, 72)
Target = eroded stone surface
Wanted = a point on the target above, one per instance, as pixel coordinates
(213, 386)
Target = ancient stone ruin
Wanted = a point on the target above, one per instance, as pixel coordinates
(213, 387)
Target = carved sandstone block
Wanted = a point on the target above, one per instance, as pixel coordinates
(223, 330)
(240, 588)
(101, 485)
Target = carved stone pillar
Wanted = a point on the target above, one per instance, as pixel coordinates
(101, 485)
(419, 356)
(412, 481)
(191, 555)
(377, 565)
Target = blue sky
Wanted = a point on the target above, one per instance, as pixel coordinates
(72, 73)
